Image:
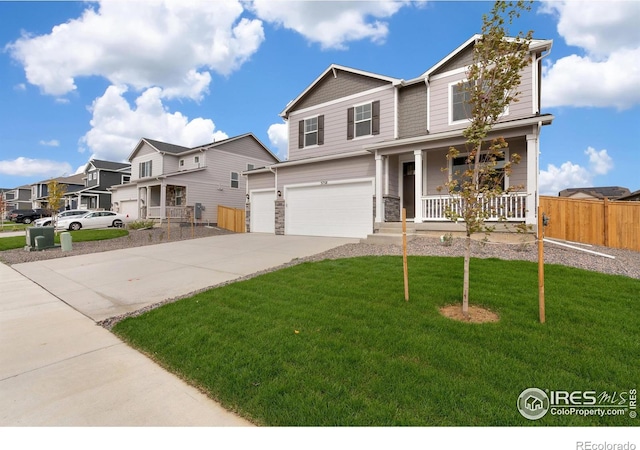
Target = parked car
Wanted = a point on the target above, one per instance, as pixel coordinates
(27, 215)
(46, 221)
(93, 219)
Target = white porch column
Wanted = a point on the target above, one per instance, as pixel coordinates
(163, 201)
(379, 185)
(532, 178)
(418, 183)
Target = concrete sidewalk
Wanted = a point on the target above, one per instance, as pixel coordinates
(58, 368)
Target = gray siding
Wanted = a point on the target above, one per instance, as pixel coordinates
(439, 101)
(335, 126)
(461, 60)
(248, 147)
(261, 181)
(330, 88)
(436, 161)
(412, 111)
(340, 169)
(146, 153)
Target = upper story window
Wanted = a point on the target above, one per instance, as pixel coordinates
(181, 163)
(235, 179)
(250, 167)
(145, 169)
(125, 179)
(363, 120)
(459, 98)
(311, 132)
(196, 159)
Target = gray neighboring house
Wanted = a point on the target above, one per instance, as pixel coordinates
(98, 177)
(40, 190)
(632, 197)
(17, 198)
(595, 193)
(177, 183)
(362, 146)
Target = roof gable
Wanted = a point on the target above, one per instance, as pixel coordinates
(108, 165)
(333, 83)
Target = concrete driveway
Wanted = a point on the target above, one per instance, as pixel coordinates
(103, 285)
(58, 368)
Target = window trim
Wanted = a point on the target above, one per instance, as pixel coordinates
(451, 86)
(302, 131)
(237, 180)
(466, 154)
(144, 165)
(374, 120)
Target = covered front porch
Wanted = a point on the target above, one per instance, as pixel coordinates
(412, 176)
(164, 202)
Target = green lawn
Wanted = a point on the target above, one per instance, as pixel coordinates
(334, 343)
(13, 242)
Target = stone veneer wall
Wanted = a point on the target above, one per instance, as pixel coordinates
(279, 217)
(391, 208)
(247, 217)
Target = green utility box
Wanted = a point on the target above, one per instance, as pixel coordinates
(45, 235)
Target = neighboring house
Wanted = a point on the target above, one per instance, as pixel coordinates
(595, 193)
(18, 198)
(178, 183)
(98, 177)
(632, 197)
(40, 190)
(362, 146)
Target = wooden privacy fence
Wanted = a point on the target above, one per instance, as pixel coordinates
(597, 222)
(231, 219)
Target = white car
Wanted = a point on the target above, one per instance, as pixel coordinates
(46, 221)
(93, 219)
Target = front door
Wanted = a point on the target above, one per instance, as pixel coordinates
(409, 188)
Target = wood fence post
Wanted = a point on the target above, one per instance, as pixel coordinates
(606, 221)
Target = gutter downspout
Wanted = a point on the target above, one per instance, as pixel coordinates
(275, 187)
(538, 93)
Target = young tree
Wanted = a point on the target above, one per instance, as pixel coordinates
(56, 191)
(492, 82)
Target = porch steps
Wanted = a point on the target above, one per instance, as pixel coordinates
(390, 233)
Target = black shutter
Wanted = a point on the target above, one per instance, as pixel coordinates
(140, 170)
(301, 134)
(150, 166)
(375, 117)
(350, 112)
(320, 130)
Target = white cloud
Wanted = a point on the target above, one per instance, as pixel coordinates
(141, 44)
(599, 161)
(570, 175)
(117, 127)
(20, 87)
(279, 138)
(51, 143)
(608, 74)
(331, 24)
(28, 167)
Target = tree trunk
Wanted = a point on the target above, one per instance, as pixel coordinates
(465, 285)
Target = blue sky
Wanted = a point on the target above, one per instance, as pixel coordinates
(89, 79)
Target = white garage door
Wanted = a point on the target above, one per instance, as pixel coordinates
(263, 212)
(340, 209)
(129, 207)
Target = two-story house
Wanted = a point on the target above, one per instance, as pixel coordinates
(362, 146)
(40, 190)
(98, 176)
(17, 198)
(177, 183)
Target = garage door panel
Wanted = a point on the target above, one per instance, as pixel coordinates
(337, 210)
(263, 211)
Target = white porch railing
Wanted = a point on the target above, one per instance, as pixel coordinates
(511, 207)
